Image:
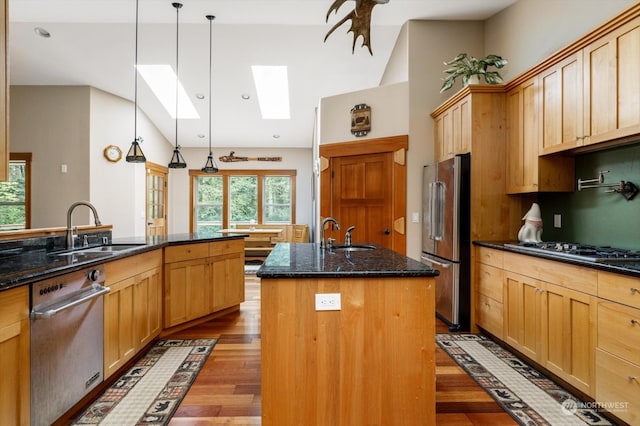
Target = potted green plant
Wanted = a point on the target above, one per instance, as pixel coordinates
(467, 67)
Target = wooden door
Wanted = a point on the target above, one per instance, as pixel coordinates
(522, 314)
(186, 291)
(157, 177)
(148, 302)
(361, 197)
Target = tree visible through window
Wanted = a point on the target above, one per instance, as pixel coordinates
(233, 197)
(14, 195)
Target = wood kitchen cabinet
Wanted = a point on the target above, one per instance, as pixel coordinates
(490, 291)
(527, 171)
(453, 130)
(611, 84)
(202, 278)
(550, 311)
(133, 307)
(4, 90)
(14, 356)
(618, 352)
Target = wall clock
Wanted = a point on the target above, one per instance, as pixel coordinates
(112, 153)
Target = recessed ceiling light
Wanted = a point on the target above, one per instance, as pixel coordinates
(245, 96)
(276, 136)
(199, 96)
(201, 136)
(42, 32)
(272, 87)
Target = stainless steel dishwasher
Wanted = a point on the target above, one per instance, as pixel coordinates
(67, 327)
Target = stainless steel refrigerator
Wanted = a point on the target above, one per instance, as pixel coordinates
(446, 234)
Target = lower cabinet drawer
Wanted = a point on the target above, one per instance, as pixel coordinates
(618, 386)
(489, 314)
(619, 330)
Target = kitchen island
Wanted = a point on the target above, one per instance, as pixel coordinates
(348, 337)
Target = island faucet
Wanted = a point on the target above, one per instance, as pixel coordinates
(323, 244)
(347, 236)
(70, 236)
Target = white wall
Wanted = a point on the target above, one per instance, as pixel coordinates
(118, 189)
(531, 30)
(292, 159)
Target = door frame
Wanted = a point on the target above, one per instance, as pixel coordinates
(398, 146)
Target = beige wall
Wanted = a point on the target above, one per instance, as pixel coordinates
(72, 125)
(532, 30)
(52, 122)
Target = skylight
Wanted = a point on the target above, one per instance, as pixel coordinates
(162, 81)
(272, 86)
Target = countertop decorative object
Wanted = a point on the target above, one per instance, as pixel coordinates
(308, 260)
(531, 231)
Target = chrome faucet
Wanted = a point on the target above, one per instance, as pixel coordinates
(323, 244)
(70, 236)
(347, 236)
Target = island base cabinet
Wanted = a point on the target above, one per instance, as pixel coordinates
(14, 356)
(618, 386)
(370, 363)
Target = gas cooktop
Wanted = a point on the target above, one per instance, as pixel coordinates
(588, 253)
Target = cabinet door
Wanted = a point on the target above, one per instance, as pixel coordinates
(561, 124)
(119, 326)
(14, 356)
(447, 136)
(522, 307)
(462, 126)
(490, 296)
(569, 336)
(522, 147)
(227, 281)
(612, 86)
(186, 291)
(148, 302)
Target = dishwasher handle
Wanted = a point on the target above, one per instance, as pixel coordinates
(94, 291)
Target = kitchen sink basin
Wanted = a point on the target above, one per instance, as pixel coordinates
(96, 251)
(354, 247)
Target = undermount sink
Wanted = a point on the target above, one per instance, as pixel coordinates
(354, 247)
(96, 251)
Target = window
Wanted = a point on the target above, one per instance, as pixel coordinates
(233, 197)
(15, 194)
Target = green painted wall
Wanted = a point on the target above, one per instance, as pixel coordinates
(593, 216)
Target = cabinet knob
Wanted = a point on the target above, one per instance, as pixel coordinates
(634, 322)
(632, 378)
(634, 290)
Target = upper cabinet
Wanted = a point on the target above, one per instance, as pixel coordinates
(4, 91)
(612, 85)
(453, 130)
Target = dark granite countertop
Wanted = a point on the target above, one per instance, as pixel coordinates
(625, 268)
(307, 260)
(19, 268)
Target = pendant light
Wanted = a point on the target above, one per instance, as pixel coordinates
(210, 166)
(135, 154)
(177, 161)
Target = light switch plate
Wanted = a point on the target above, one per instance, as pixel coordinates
(328, 302)
(415, 217)
(557, 221)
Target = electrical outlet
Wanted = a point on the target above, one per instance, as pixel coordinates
(328, 302)
(557, 221)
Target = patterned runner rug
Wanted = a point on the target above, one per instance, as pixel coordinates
(528, 396)
(150, 392)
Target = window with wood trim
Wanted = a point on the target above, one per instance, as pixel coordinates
(232, 197)
(15, 194)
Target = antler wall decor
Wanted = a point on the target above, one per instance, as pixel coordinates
(231, 158)
(360, 20)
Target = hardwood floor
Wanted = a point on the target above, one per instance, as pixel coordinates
(227, 390)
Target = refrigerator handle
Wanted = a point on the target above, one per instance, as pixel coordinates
(436, 210)
(435, 262)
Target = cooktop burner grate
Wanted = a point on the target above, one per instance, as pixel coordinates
(584, 252)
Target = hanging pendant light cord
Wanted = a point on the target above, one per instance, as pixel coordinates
(177, 6)
(135, 84)
(210, 18)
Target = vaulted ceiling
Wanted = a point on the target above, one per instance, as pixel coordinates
(92, 43)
